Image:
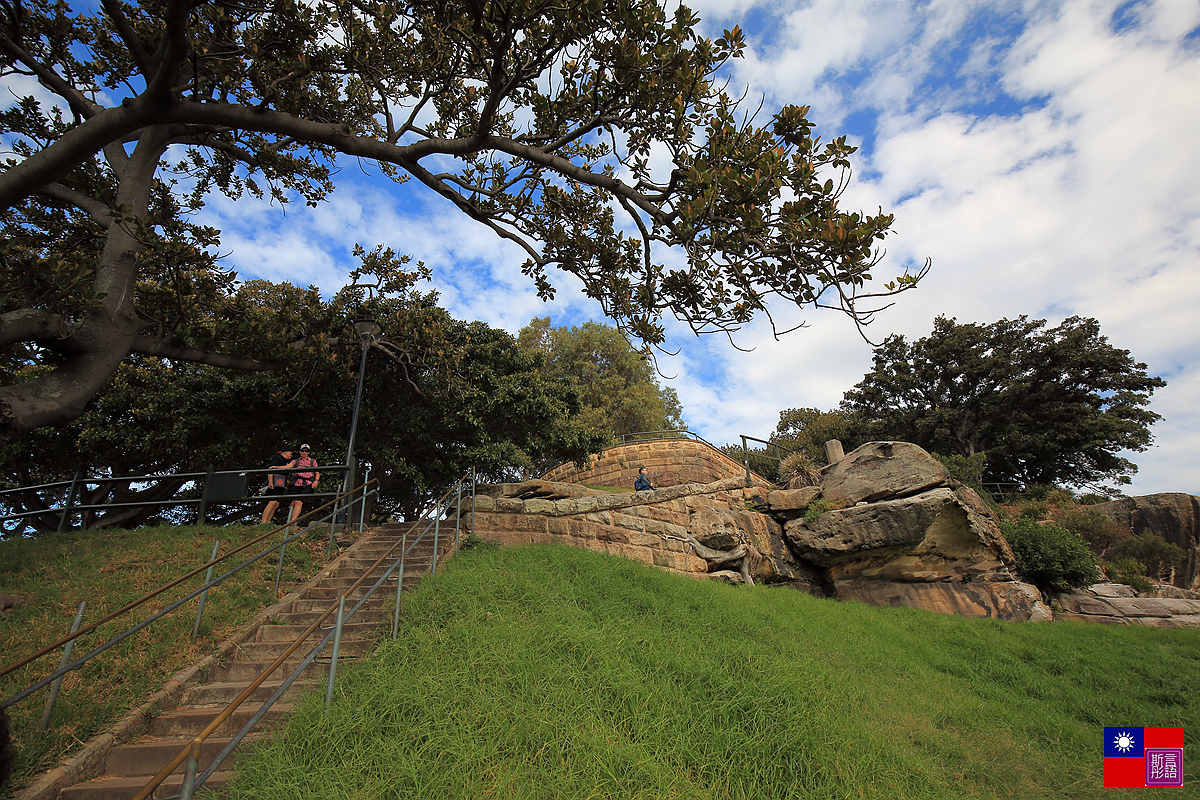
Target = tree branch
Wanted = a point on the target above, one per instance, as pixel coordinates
(100, 213)
(154, 346)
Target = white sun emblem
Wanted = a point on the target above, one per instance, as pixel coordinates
(1124, 741)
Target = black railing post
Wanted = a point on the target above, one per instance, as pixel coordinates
(204, 494)
(62, 521)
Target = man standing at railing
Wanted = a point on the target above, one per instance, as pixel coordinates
(277, 484)
(302, 482)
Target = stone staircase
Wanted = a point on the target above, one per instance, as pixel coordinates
(128, 767)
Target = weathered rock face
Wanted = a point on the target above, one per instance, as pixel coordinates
(1011, 600)
(882, 471)
(1116, 604)
(1174, 516)
(930, 537)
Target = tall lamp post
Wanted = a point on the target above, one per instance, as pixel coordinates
(368, 331)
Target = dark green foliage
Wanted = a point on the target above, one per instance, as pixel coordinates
(1051, 558)
(968, 469)
(440, 396)
(1047, 405)
(1100, 531)
(1128, 571)
(1158, 555)
(808, 429)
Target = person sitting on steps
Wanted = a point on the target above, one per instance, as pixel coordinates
(642, 484)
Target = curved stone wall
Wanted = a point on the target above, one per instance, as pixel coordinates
(669, 462)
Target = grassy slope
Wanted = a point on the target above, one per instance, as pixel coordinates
(548, 672)
(108, 569)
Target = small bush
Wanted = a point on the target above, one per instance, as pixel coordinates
(1050, 557)
(1128, 571)
(1036, 510)
(798, 470)
(1156, 553)
(814, 511)
(1100, 531)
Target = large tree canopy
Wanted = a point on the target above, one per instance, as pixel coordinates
(457, 395)
(617, 386)
(1047, 405)
(588, 133)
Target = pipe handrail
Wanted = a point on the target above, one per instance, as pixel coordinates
(135, 603)
(171, 501)
(194, 745)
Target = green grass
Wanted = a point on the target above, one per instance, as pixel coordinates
(108, 569)
(546, 672)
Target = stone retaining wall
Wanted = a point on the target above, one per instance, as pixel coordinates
(669, 462)
(650, 527)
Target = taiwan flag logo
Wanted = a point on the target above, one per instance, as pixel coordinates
(1143, 756)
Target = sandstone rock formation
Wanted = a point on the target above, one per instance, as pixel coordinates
(1117, 604)
(1174, 516)
(895, 531)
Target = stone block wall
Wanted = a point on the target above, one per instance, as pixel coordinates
(650, 527)
(669, 462)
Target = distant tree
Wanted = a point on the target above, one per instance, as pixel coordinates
(617, 383)
(808, 429)
(1047, 405)
(589, 134)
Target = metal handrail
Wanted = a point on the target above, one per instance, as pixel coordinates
(654, 436)
(746, 453)
(191, 751)
(70, 508)
(76, 664)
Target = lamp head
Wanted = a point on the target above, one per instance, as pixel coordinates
(368, 329)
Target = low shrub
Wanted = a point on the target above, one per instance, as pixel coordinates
(1099, 530)
(1050, 557)
(1128, 571)
(1157, 554)
(816, 509)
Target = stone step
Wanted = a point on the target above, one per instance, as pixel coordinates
(335, 587)
(320, 605)
(126, 788)
(147, 758)
(288, 633)
(266, 651)
(306, 618)
(185, 722)
(247, 671)
(224, 693)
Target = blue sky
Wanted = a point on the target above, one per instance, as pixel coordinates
(1043, 155)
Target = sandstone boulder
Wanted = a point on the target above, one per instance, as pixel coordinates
(792, 502)
(724, 529)
(1008, 600)
(1175, 516)
(940, 535)
(882, 471)
(1100, 603)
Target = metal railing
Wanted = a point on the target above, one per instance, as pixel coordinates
(654, 436)
(211, 483)
(191, 751)
(746, 454)
(335, 507)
